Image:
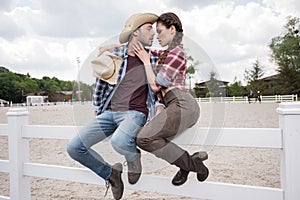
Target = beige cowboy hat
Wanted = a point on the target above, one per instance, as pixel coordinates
(134, 22)
(106, 67)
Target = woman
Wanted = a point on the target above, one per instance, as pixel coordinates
(181, 109)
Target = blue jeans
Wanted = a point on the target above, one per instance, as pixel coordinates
(121, 126)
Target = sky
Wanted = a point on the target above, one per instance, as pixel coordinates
(48, 37)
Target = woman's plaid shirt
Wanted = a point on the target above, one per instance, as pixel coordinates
(173, 70)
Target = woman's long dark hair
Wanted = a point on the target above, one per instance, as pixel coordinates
(169, 19)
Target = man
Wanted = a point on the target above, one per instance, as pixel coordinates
(122, 109)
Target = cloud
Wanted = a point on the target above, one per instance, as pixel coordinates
(82, 18)
(9, 29)
(6, 5)
(288, 7)
(234, 35)
(191, 4)
(76, 19)
(45, 37)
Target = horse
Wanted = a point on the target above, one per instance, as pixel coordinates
(253, 96)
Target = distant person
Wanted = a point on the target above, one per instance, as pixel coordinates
(181, 109)
(259, 96)
(123, 100)
(250, 93)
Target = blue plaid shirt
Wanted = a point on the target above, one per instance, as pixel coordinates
(103, 91)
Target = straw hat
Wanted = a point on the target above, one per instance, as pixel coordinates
(106, 67)
(134, 22)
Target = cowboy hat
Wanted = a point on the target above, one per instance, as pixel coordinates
(106, 67)
(134, 22)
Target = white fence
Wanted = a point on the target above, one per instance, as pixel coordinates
(286, 138)
(238, 99)
(273, 98)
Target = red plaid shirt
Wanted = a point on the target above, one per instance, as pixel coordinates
(173, 71)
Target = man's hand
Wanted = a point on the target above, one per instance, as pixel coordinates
(109, 48)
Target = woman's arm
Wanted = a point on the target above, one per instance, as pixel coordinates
(145, 58)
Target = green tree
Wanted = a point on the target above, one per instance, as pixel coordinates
(213, 85)
(252, 77)
(25, 86)
(3, 69)
(191, 70)
(286, 54)
(236, 88)
(13, 86)
(50, 86)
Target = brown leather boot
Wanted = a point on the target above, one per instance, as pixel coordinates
(181, 176)
(202, 171)
(115, 180)
(135, 169)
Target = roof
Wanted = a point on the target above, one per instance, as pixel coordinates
(3, 101)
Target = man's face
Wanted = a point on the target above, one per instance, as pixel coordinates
(146, 34)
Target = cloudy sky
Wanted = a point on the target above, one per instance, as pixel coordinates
(45, 37)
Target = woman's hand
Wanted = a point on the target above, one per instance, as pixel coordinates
(141, 53)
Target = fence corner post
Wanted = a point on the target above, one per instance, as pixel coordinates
(289, 118)
(18, 153)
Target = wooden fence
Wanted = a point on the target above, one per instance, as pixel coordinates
(286, 138)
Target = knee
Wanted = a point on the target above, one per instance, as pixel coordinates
(151, 144)
(143, 143)
(121, 144)
(75, 148)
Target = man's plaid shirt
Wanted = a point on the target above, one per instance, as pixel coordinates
(103, 91)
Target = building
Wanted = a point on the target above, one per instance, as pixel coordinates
(270, 84)
(63, 96)
(59, 96)
(3, 103)
(215, 88)
(41, 93)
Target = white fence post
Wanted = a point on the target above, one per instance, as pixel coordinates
(289, 118)
(18, 154)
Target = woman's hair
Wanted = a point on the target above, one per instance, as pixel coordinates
(169, 19)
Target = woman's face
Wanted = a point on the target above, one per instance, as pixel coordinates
(165, 35)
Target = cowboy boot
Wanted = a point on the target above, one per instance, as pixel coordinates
(202, 170)
(135, 169)
(115, 180)
(181, 176)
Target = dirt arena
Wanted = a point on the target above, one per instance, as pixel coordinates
(251, 166)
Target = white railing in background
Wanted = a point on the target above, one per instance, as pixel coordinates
(238, 99)
(286, 138)
(274, 98)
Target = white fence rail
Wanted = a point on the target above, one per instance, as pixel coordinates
(239, 99)
(274, 98)
(286, 138)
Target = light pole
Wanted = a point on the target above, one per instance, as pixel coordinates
(78, 66)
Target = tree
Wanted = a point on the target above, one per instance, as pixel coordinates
(213, 85)
(252, 77)
(3, 70)
(286, 54)
(236, 88)
(13, 86)
(191, 69)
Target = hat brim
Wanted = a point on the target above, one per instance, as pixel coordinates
(117, 64)
(142, 18)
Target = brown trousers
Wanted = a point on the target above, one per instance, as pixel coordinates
(181, 112)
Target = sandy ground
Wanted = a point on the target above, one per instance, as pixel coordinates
(251, 166)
